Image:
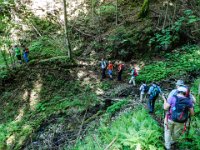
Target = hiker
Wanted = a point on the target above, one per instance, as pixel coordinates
(180, 83)
(143, 91)
(17, 52)
(179, 107)
(103, 68)
(153, 93)
(25, 53)
(133, 75)
(120, 70)
(110, 70)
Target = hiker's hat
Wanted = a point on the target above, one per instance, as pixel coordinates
(182, 89)
(180, 83)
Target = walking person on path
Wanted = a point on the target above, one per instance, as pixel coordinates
(110, 70)
(120, 70)
(133, 74)
(143, 91)
(180, 83)
(17, 52)
(179, 108)
(153, 92)
(103, 68)
(25, 53)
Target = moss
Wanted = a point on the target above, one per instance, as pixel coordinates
(144, 9)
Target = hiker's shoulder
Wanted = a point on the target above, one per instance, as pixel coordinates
(171, 100)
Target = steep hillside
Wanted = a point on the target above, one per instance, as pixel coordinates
(53, 102)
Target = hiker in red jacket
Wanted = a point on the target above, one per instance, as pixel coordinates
(120, 70)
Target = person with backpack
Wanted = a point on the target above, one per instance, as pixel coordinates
(120, 70)
(25, 53)
(180, 83)
(153, 93)
(17, 52)
(179, 108)
(143, 91)
(110, 70)
(133, 74)
(103, 68)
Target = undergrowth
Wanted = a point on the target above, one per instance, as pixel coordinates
(133, 129)
(179, 62)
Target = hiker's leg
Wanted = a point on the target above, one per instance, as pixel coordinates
(178, 128)
(150, 104)
(153, 104)
(104, 73)
(130, 81)
(168, 125)
(141, 97)
(26, 57)
(133, 81)
(119, 76)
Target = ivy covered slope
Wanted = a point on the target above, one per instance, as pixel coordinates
(178, 63)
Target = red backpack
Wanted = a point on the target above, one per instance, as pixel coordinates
(135, 73)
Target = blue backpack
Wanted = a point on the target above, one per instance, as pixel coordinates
(155, 91)
(180, 112)
(146, 88)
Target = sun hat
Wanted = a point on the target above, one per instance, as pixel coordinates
(180, 83)
(182, 89)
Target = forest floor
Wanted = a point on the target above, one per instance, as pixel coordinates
(53, 104)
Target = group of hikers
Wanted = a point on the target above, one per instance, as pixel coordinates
(21, 51)
(109, 67)
(178, 106)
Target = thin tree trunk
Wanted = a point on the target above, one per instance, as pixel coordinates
(67, 41)
(92, 11)
(116, 12)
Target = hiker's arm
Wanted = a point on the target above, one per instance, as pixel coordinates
(193, 98)
(191, 111)
(166, 105)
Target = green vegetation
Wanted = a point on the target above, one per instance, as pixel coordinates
(145, 9)
(163, 35)
(170, 36)
(176, 64)
(133, 129)
(46, 94)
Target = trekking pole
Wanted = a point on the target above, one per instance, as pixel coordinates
(164, 112)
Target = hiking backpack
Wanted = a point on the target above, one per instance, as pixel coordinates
(146, 88)
(155, 91)
(180, 110)
(135, 73)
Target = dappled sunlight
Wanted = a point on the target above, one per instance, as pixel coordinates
(99, 91)
(20, 115)
(25, 129)
(25, 95)
(41, 8)
(34, 96)
(81, 74)
(10, 140)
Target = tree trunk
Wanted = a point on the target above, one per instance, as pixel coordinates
(116, 12)
(144, 9)
(67, 41)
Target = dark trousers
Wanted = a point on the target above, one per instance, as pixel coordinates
(119, 76)
(103, 75)
(151, 103)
